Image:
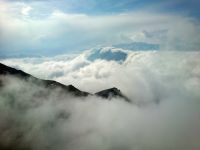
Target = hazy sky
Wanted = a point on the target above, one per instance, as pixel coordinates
(48, 27)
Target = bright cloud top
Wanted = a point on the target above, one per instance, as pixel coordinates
(164, 113)
(140, 70)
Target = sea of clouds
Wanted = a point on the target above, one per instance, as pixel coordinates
(164, 114)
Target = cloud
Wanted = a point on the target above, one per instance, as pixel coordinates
(149, 71)
(59, 32)
(163, 85)
(164, 88)
(25, 10)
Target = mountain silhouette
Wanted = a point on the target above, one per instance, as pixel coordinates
(110, 93)
(52, 85)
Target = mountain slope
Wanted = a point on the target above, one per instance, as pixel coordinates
(5, 70)
(112, 92)
(52, 85)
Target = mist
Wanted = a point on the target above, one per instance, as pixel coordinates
(163, 113)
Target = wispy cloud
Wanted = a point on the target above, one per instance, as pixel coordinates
(61, 32)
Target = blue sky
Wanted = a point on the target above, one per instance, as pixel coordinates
(99, 7)
(54, 27)
(96, 7)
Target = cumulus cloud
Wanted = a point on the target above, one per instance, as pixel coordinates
(80, 71)
(164, 113)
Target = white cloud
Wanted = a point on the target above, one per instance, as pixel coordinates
(82, 30)
(141, 70)
(26, 10)
(164, 88)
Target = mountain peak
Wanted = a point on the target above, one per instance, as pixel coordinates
(110, 93)
(50, 84)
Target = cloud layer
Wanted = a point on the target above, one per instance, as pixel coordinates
(58, 32)
(164, 114)
(163, 86)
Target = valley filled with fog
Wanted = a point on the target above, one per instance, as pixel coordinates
(99, 75)
(163, 87)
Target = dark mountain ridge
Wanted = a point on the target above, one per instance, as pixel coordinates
(50, 84)
(112, 92)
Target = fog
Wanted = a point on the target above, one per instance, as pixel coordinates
(164, 113)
